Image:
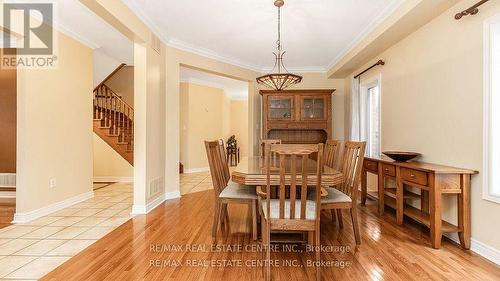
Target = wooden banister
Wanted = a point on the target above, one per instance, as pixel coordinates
(115, 116)
(110, 75)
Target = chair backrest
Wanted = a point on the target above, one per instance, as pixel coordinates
(225, 167)
(293, 170)
(266, 142)
(330, 154)
(352, 163)
(215, 162)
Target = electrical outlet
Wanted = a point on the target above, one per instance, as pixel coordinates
(52, 183)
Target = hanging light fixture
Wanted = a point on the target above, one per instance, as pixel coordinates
(279, 81)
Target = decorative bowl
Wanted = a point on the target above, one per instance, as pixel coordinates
(401, 156)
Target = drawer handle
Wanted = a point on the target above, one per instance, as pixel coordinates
(386, 169)
(412, 175)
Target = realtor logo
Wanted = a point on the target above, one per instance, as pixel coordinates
(28, 28)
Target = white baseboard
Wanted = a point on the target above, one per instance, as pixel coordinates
(7, 194)
(29, 216)
(114, 179)
(196, 170)
(479, 248)
(144, 209)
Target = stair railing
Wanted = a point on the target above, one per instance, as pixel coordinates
(115, 114)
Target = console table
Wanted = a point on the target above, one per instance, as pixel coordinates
(433, 182)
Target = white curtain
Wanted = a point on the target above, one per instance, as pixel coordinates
(355, 110)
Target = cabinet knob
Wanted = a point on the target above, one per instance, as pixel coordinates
(412, 175)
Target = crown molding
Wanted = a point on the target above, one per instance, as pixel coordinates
(184, 46)
(78, 37)
(178, 44)
(388, 11)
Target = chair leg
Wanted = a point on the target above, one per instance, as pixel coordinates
(355, 226)
(317, 243)
(334, 216)
(268, 253)
(263, 233)
(216, 219)
(219, 221)
(254, 219)
(339, 218)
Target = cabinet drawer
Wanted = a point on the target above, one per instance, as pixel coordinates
(389, 170)
(414, 176)
(371, 165)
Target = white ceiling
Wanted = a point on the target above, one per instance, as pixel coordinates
(76, 20)
(315, 33)
(234, 89)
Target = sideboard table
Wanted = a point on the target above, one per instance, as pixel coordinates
(434, 181)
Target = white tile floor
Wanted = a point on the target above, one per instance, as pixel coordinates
(29, 251)
(195, 182)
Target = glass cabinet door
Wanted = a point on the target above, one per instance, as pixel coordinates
(313, 108)
(281, 108)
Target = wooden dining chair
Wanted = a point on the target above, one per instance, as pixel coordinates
(227, 192)
(344, 196)
(266, 142)
(330, 159)
(296, 213)
(330, 153)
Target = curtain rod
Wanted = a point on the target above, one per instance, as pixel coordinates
(471, 10)
(380, 62)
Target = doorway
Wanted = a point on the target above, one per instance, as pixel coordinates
(212, 107)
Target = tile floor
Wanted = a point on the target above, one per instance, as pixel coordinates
(29, 251)
(195, 182)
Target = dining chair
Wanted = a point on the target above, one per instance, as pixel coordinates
(266, 142)
(344, 196)
(331, 152)
(295, 213)
(330, 159)
(227, 192)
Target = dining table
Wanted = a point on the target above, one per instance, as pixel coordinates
(251, 171)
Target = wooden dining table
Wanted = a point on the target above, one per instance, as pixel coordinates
(251, 171)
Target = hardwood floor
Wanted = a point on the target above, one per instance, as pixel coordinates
(388, 251)
(7, 210)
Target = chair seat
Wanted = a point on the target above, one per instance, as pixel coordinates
(334, 196)
(238, 191)
(275, 209)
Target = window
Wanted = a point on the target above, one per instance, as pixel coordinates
(370, 116)
(491, 111)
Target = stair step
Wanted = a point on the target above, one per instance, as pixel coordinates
(122, 143)
(104, 127)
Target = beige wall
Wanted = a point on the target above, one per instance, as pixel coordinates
(55, 129)
(208, 114)
(432, 94)
(149, 122)
(122, 83)
(239, 124)
(205, 107)
(109, 166)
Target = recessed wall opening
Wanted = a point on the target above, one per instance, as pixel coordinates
(212, 107)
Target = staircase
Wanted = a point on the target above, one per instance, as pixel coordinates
(114, 120)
